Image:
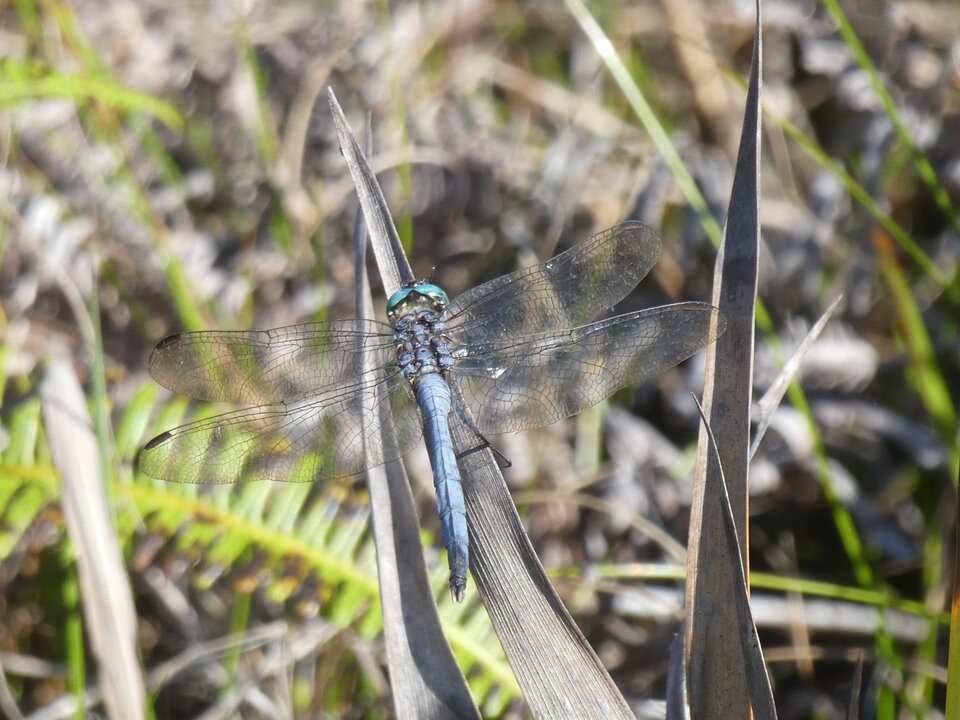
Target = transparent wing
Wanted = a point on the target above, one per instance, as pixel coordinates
(270, 366)
(571, 289)
(299, 441)
(519, 384)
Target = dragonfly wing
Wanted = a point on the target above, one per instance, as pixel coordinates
(571, 289)
(521, 384)
(269, 366)
(299, 441)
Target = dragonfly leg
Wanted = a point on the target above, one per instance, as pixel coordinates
(482, 443)
(502, 460)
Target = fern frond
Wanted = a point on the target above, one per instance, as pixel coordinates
(27, 481)
(310, 547)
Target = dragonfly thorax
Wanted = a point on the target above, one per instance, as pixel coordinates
(416, 314)
(422, 347)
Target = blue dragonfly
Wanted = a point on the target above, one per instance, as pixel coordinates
(522, 351)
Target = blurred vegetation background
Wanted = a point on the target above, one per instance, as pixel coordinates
(168, 166)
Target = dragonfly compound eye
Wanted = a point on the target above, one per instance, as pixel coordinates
(434, 294)
(398, 300)
(421, 291)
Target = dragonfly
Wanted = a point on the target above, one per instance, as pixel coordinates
(522, 351)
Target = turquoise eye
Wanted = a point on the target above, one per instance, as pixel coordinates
(435, 293)
(397, 299)
(431, 292)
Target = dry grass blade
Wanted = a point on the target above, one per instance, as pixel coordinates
(678, 704)
(718, 682)
(560, 675)
(424, 676)
(761, 693)
(107, 597)
(391, 262)
(774, 394)
(8, 704)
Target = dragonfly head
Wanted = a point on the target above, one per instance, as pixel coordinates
(418, 294)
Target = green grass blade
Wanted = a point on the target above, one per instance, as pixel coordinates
(80, 89)
(651, 123)
(953, 662)
(876, 211)
(926, 376)
(924, 168)
(73, 633)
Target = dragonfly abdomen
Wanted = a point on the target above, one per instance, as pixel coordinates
(434, 398)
